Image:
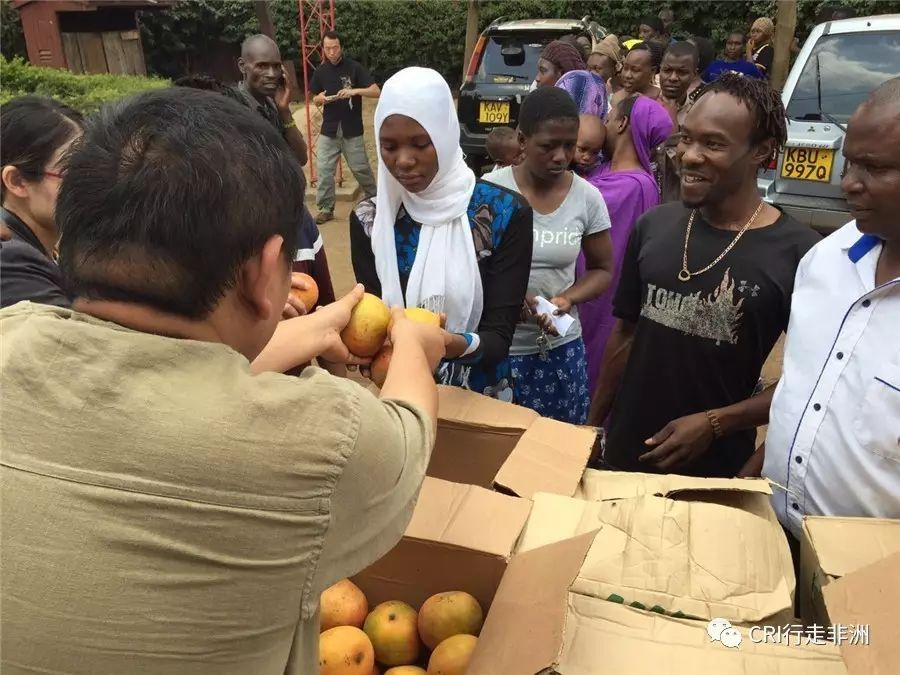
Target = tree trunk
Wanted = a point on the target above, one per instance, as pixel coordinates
(785, 26)
(266, 27)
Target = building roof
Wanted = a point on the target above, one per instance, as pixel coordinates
(94, 5)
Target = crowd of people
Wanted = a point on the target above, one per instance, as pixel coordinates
(179, 485)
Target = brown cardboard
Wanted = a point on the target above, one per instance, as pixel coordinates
(485, 442)
(604, 638)
(831, 548)
(597, 485)
(869, 597)
(537, 623)
(524, 631)
(706, 550)
(460, 538)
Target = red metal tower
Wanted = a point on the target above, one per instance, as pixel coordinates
(314, 18)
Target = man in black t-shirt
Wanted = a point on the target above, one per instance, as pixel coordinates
(704, 294)
(339, 84)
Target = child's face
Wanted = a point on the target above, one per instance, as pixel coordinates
(590, 143)
(508, 154)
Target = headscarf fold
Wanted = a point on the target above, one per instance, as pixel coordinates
(609, 47)
(588, 91)
(563, 56)
(444, 275)
(650, 125)
(766, 25)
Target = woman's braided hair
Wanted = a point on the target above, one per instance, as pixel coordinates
(764, 103)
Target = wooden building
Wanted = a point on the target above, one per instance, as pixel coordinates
(86, 36)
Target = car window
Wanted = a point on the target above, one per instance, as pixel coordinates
(518, 68)
(842, 71)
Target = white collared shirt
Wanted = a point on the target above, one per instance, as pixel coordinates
(833, 446)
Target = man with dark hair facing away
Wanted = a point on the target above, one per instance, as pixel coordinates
(266, 89)
(310, 258)
(704, 294)
(170, 504)
(339, 84)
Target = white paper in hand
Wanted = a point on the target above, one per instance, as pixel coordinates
(562, 323)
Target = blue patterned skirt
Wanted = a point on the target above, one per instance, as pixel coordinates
(555, 385)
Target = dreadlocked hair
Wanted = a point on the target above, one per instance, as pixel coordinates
(764, 103)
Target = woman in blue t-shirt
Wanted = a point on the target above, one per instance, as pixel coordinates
(435, 237)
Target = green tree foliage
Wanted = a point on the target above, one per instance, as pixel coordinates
(174, 38)
(387, 35)
(12, 41)
(390, 34)
(83, 92)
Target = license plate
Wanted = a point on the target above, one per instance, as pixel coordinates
(494, 112)
(807, 164)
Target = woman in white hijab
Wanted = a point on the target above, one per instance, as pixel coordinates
(436, 237)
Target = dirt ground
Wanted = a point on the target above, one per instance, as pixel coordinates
(336, 236)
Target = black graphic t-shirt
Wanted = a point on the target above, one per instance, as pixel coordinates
(699, 344)
(347, 113)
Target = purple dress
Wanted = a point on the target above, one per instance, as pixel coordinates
(628, 195)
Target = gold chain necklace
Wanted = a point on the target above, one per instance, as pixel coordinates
(685, 274)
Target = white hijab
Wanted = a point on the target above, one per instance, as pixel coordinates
(444, 276)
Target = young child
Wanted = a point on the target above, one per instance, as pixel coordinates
(503, 147)
(591, 137)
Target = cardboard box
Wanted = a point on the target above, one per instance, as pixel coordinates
(485, 442)
(831, 548)
(682, 546)
(460, 538)
(869, 597)
(538, 625)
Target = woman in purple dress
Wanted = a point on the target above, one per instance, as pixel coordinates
(635, 126)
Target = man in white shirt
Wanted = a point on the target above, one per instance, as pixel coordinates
(833, 446)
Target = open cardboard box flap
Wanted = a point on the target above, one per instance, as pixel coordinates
(689, 558)
(550, 457)
(465, 407)
(460, 538)
(490, 443)
(523, 632)
(605, 638)
(538, 623)
(598, 485)
(844, 545)
(869, 597)
(468, 516)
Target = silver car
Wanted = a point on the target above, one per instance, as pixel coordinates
(839, 66)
